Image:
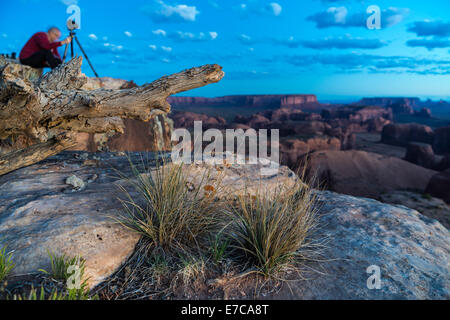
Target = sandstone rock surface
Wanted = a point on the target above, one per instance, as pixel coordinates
(412, 252)
(424, 203)
(37, 213)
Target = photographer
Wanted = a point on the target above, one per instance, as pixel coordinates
(41, 51)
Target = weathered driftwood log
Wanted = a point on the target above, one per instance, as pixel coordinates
(49, 110)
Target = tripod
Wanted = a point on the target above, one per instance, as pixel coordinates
(73, 36)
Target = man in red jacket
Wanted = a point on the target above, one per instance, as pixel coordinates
(41, 50)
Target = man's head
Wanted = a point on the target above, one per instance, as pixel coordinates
(53, 34)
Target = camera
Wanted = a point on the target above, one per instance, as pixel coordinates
(72, 24)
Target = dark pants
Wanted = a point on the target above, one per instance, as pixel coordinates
(42, 59)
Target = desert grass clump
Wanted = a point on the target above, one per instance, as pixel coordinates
(6, 264)
(192, 268)
(67, 270)
(272, 229)
(168, 209)
(72, 294)
(60, 266)
(219, 245)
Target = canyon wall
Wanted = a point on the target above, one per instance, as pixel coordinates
(275, 101)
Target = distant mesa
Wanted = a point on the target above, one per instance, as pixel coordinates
(387, 102)
(268, 101)
(402, 106)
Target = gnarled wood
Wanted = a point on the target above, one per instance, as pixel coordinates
(35, 153)
(55, 104)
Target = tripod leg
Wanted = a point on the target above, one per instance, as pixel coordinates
(84, 53)
(65, 53)
(71, 49)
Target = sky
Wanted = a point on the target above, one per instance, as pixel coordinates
(321, 47)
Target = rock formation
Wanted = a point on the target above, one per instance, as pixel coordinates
(366, 174)
(46, 114)
(185, 119)
(423, 113)
(441, 144)
(384, 102)
(439, 186)
(443, 164)
(402, 134)
(292, 150)
(421, 154)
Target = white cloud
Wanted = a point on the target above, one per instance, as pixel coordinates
(166, 49)
(214, 4)
(153, 47)
(160, 32)
(128, 34)
(276, 8)
(272, 8)
(185, 12)
(340, 14)
(189, 36)
(245, 37)
(213, 35)
(185, 35)
(113, 47)
(69, 2)
(165, 60)
(93, 36)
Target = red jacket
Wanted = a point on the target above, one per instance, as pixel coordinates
(39, 41)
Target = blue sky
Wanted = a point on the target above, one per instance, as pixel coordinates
(320, 47)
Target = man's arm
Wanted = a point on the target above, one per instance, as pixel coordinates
(43, 42)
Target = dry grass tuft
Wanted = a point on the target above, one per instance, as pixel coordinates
(272, 231)
(168, 210)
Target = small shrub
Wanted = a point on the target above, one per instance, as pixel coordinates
(168, 209)
(60, 266)
(192, 269)
(219, 246)
(73, 294)
(6, 264)
(272, 230)
(159, 268)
